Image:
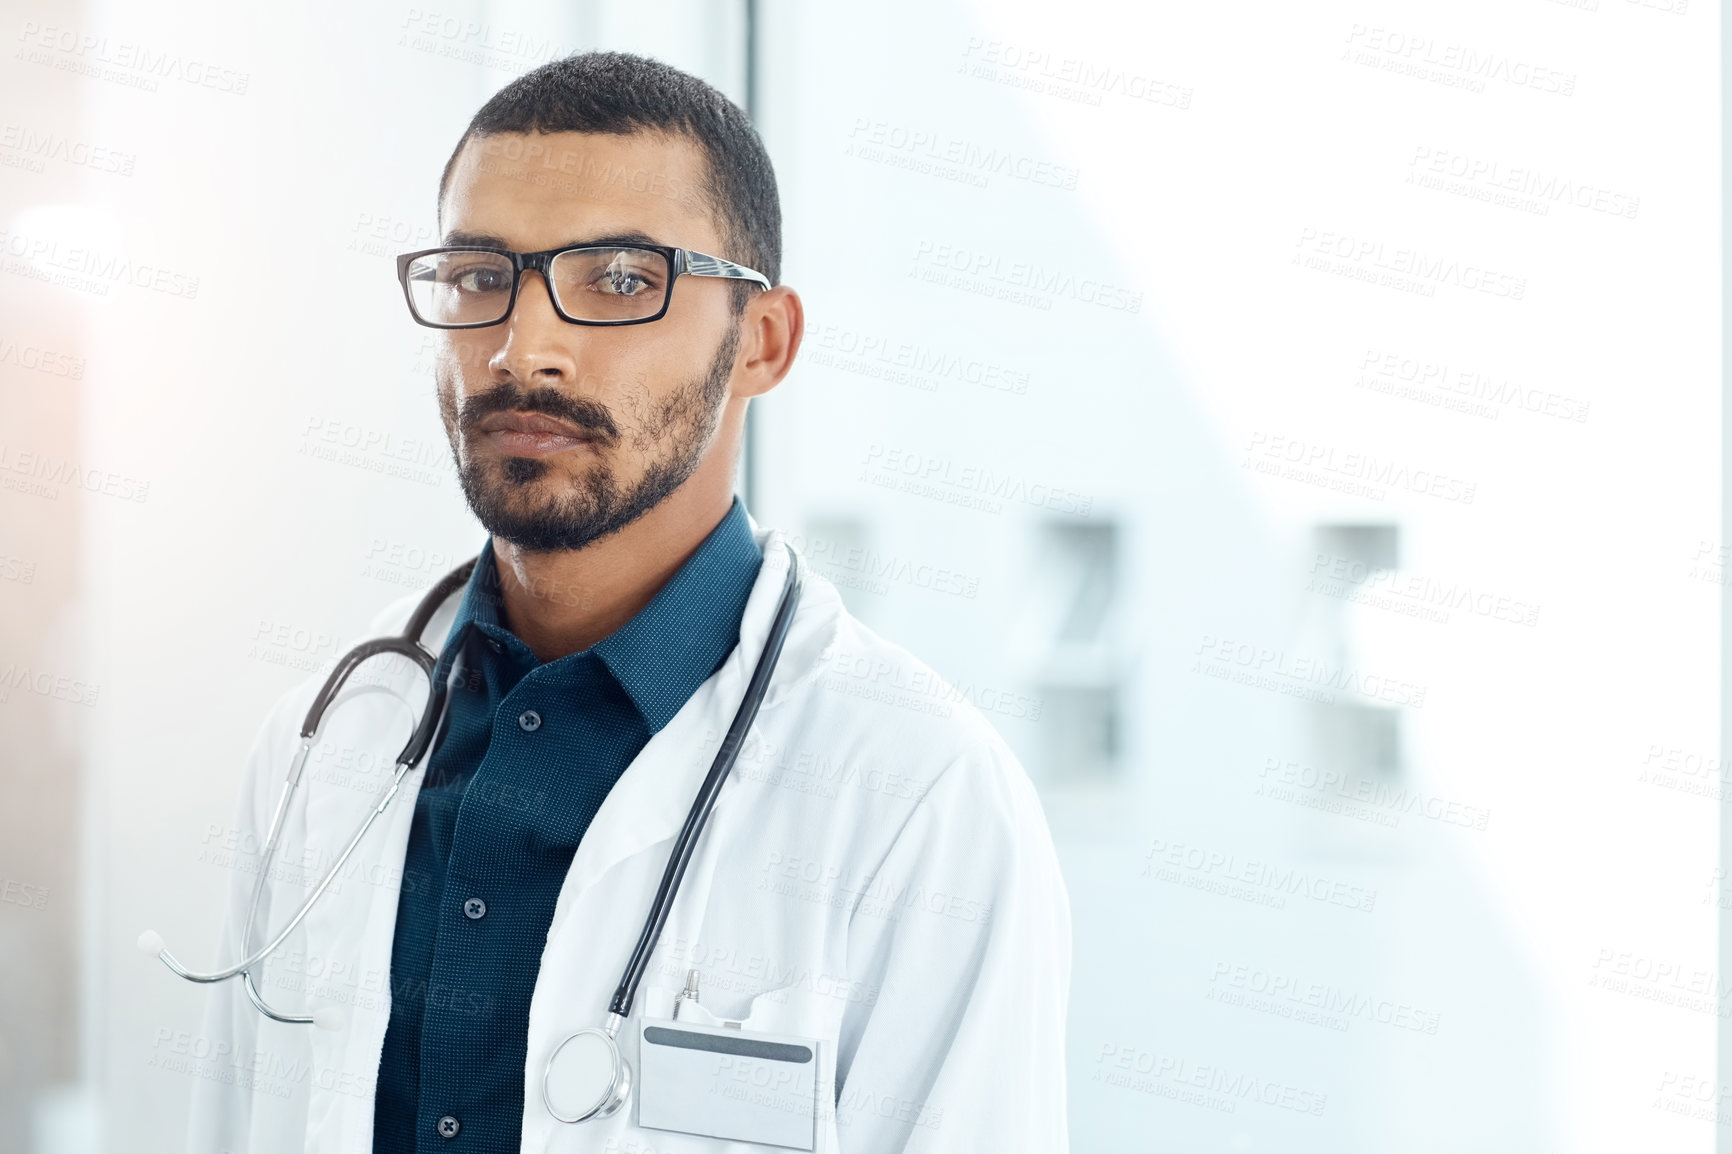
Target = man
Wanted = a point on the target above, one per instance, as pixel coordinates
(876, 875)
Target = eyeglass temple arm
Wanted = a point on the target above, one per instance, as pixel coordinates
(702, 264)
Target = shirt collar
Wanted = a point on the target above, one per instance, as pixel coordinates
(674, 643)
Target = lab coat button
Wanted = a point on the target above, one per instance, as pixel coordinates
(474, 909)
(448, 1127)
(529, 721)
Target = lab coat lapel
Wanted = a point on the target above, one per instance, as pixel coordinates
(650, 801)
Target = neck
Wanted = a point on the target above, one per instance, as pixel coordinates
(566, 602)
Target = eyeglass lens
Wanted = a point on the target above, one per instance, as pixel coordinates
(589, 284)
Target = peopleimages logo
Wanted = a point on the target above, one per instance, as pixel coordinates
(1490, 175)
(87, 269)
(1477, 392)
(41, 474)
(1415, 594)
(41, 360)
(985, 272)
(901, 362)
(884, 142)
(1315, 678)
(1283, 994)
(457, 37)
(945, 479)
(1252, 879)
(1456, 65)
(1198, 1083)
(1400, 266)
(60, 687)
(38, 147)
(1070, 78)
(1355, 473)
(1306, 785)
(123, 61)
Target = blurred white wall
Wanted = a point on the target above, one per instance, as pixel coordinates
(1298, 428)
(1418, 413)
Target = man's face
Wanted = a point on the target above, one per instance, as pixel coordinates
(625, 414)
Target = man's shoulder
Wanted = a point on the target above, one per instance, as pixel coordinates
(863, 663)
(875, 695)
(932, 774)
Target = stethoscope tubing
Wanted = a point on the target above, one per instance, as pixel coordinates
(707, 793)
(408, 644)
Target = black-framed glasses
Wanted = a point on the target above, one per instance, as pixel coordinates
(468, 287)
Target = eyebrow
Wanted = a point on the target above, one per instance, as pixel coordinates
(487, 240)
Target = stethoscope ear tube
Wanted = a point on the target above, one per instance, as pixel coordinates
(712, 787)
(407, 644)
(436, 597)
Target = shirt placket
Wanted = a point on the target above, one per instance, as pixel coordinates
(500, 853)
(463, 1010)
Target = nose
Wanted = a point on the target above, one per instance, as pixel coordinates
(539, 347)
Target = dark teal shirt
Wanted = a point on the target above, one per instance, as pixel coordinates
(526, 752)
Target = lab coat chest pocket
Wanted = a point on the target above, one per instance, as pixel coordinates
(788, 1009)
(800, 1009)
(775, 1017)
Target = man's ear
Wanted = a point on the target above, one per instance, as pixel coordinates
(770, 333)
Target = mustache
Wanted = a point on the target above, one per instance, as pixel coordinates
(590, 416)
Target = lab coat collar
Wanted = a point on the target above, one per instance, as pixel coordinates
(672, 644)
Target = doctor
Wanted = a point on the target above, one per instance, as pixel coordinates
(876, 876)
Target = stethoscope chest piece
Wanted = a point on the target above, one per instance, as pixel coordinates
(586, 1077)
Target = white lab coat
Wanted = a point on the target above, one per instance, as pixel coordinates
(877, 874)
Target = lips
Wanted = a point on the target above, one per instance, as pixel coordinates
(532, 434)
(531, 423)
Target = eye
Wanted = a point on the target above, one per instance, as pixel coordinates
(481, 279)
(622, 282)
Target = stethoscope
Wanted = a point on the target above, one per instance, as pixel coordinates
(587, 1076)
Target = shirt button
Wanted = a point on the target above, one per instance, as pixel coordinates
(529, 721)
(474, 909)
(493, 644)
(448, 1127)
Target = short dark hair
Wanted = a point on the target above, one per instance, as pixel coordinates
(620, 94)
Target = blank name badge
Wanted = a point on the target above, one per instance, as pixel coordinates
(727, 1083)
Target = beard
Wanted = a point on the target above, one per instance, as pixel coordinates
(675, 436)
